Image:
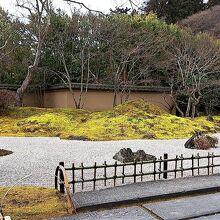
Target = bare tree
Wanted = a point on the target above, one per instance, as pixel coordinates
(197, 59)
(75, 47)
(39, 13)
(84, 6)
(131, 52)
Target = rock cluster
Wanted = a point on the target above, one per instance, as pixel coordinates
(201, 142)
(126, 155)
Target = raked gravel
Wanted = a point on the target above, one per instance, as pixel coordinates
(40, 156)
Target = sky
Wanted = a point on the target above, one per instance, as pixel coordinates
(101, 5)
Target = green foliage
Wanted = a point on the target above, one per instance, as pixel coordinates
(15, 54)
(119, 49)
(173, 10)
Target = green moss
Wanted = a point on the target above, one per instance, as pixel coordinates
(137, 108)
(33, 203)
(132, 120)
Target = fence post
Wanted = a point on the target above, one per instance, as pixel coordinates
(135, 170)
(61, 177)
(212, 162)
(82, 176)
(73, 177)
(94, 179)
(208, 167)
(165, 165)
(192, 165)
(105, 174)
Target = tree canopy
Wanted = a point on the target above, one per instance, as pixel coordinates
(175, 10)
(120, 50)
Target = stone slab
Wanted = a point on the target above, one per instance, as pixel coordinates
(145, 191)
(186, 207)
(129, 213)
(210, 217)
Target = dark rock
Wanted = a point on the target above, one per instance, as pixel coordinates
(190, 143)
(5, 152)
(213, 141)
(126, 155)
(140, 155)
(201, 142)
(210, 118)
(78, 138)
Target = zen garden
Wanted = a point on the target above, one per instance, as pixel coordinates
(109, 109)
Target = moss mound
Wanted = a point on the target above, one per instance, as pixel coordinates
(131, 120)
(137, 108)
(33, 203)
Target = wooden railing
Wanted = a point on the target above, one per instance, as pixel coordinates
(108, 175)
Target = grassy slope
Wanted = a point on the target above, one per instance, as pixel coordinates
(33, 203)
(132, 120)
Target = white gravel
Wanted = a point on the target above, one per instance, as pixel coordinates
(40, 156)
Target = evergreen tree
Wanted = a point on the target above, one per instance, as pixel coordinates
(174, 10)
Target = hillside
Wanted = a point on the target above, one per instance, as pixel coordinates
(132, 120)
(206, 21)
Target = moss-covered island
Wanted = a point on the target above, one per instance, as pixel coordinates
(131, 120)
(33, 203)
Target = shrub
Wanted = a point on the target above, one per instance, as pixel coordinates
(8, 98)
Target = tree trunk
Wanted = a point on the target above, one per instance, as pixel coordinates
(115, 99)
(176, 105)
(188, 107)
(26, 82)
(195, 102)
(193, 110)
(128, 95)
(179, 110)
(31, 69)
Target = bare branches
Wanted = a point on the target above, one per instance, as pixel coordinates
(41, 10)
(84, 6)
(23, 4)
(132, 3)
(197, 60)
(5, 44)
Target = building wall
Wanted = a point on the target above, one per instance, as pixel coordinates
(56, 98)
(95, 100)
(33, 100)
